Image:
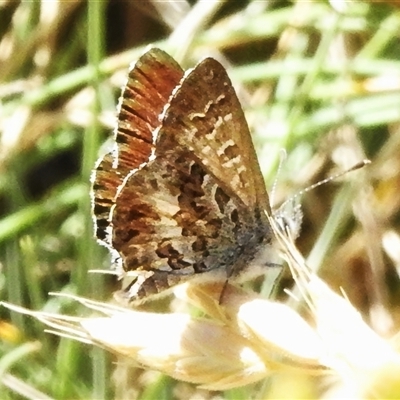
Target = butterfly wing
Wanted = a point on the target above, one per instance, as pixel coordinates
(205, 116)
(150, 84)
(172, 221)
(198, 204)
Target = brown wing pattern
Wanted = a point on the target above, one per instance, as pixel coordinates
(198, 204)
(205, 117)
(150, 84)
(172, 219)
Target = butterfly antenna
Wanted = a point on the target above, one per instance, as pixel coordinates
(282, 159)
(359, 165)
(289, 215)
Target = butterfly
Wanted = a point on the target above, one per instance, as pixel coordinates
(181, 194)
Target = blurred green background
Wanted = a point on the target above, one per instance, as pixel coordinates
(319, 79)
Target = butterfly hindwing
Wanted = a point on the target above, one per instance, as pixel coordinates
(172, 221)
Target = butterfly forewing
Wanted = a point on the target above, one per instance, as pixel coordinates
(150, 84)
(205, 116)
